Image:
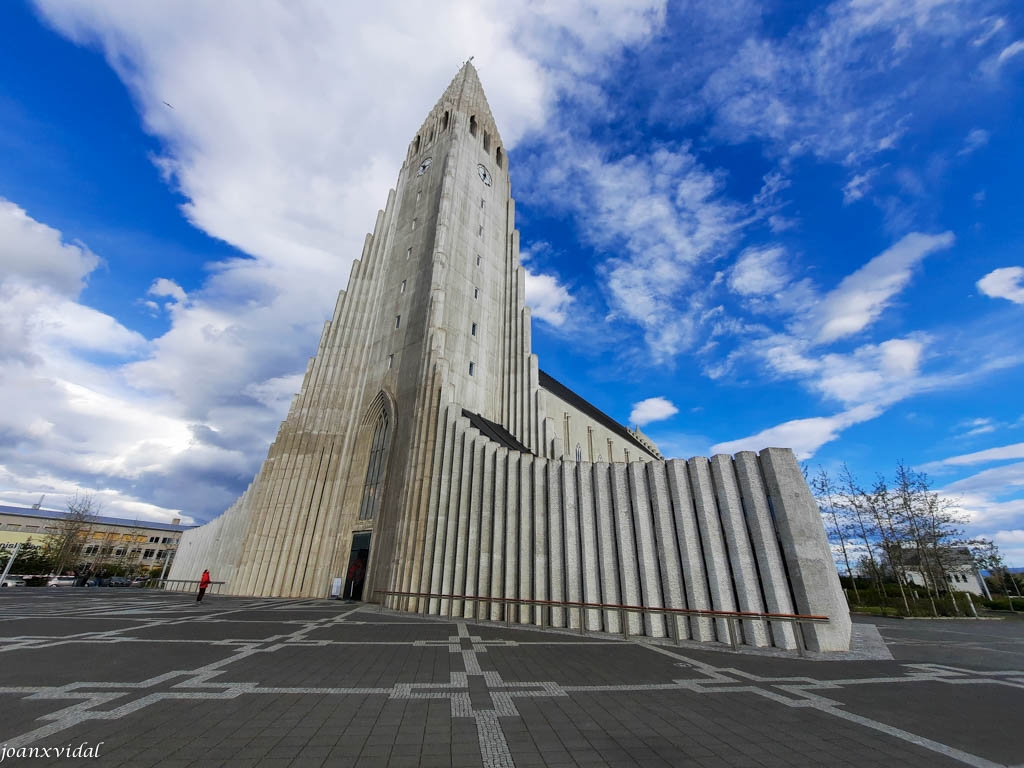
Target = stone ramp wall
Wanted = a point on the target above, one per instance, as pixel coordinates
(726, 533)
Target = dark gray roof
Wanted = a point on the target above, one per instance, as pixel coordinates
(495, 432)
(53, 514)
(559, 389)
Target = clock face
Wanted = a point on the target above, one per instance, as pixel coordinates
(485, 177)
(423, 167)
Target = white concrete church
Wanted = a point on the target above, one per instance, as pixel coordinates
(427, 453)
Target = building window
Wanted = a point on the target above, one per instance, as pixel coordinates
(414, 222)
(472, 330)
(416, 145)
(487, 142)
(444, 123)
(480, 232)
(148, 554)
(482, 202)
(154, 539)
(398, 321)
(497, 157)
(472, 125)
(472, 368)
(479, 259)
(402, 288)
(391, 361)
(373, 488)
(476, 293)
(579, 452)
(408, 254)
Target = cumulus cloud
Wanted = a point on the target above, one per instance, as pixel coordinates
(34, 253)
(1004, 283)
(163, 287)
(652, 409)
(547, 298)
(274, 158)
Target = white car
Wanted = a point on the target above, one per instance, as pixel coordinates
(13, 581)
(62, 581)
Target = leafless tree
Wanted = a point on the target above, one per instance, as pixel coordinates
(65, 541)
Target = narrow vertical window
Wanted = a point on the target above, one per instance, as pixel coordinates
(482, 202)
(414, 222)
(444, 124)
(579, 452)
(416, 145)
(487, 142)
(398, 321)
(402, 288)
(476, 293)
(472, 368)
(479, 232)
(472, 126)
(373, 488)
(478, 259)
(391, 361)
(408, 254)
(497, 157)
(472, 331)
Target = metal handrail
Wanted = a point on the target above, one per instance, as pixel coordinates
(180, 585)
(732, 617)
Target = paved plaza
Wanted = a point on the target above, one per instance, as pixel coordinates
(150, 678)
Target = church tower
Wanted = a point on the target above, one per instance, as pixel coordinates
(426, 455)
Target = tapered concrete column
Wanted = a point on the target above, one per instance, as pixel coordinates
(540, 539)
(469, 458)
(695, 580)
(610, 592)
(766, 546)
(590, 553)
(668, 550)
(526, 536)
(476, 549)
(571, 533)
(812, 571)
(496, 494)
(741, 554)
(556, 551)
(512, 525)
(629, 569)
(451, 522)
(647, 550)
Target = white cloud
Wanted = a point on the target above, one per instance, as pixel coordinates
(547, 298)
(804, 436)
(1000, 453)
(35, 253)
(862, 296)
(162, 286)
(975, 140)
(841, 86)
(1004, 283)
(1013, 49)
(661, 213)
(858, 186)
(652, 409)
(759, 271)
(273, 157)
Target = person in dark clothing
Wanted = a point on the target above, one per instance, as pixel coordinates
(204, 582)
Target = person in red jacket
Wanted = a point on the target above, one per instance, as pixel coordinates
(204, 582)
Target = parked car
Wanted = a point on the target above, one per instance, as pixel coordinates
(13, 581)
(62, 581)
(118, 581)
(141, 581)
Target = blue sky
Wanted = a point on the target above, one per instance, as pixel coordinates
(745, 224)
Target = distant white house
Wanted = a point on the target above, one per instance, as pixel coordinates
(960, 572)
